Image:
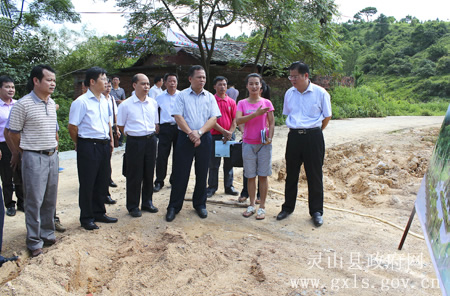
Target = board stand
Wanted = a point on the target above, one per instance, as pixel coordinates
(405, 233)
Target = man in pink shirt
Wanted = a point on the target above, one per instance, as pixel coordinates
(222, 131)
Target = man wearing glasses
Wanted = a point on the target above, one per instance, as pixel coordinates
(308, 110)
(91, 132)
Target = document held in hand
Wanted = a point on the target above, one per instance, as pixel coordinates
(223, 149)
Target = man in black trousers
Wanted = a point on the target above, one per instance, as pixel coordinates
(91, 132)
(168, 129)
(196, 113)
(138, 119)
(308, 111)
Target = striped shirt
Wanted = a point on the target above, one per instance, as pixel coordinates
(36, 122)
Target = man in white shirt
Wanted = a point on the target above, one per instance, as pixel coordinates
(196, 113)
(308, 111)
(112, 121)
(168, 132)
(138, 119)
(156, 89)
(91, 132)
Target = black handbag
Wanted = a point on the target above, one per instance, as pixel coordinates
(236, 155)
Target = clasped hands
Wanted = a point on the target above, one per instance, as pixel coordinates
(194, 136)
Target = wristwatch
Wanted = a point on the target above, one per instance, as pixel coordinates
(200, 133)
(269, 140)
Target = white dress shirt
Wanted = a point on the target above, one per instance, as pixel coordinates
(166, 102)
(91, 116)
(139, 118)
(154, 91)
(307, 109)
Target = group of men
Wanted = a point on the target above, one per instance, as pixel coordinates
(190, 121)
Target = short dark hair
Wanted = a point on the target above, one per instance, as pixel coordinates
(166, 76)
(265, 90)
(195, 68)
(38, 72)
(301, 67)
(156, 79)
(93, 73)
(115, 76)
(219, 78)
(135, 78)
(252, 75)
(5, 79)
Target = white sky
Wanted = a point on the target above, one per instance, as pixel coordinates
(109, 23)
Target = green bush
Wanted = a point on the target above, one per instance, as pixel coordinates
(367, 102)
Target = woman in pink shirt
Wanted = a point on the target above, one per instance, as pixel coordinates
(257, 114)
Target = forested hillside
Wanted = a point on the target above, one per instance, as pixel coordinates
(405, 59)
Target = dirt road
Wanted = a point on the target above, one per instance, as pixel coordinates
(227, 254)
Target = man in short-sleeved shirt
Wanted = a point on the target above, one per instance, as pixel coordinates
(91, 132)
(195, 112)
(168, 129)
(33, 130)
(11, 179)
(308, 111)
(232, 92)
(222, 131)
(138, 119)
(117, 92)
(156, 89)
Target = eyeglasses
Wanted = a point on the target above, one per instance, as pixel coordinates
(295, 77)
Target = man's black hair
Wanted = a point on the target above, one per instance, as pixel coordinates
(5, 79)
(301, 67)
(170, 74)
(93, 73)
(219, 78)
(157, 79)
(38, 72)
(195, 68)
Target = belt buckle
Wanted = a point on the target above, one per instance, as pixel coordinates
(51, 153)
(301, 131)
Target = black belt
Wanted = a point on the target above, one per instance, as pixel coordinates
(167, 124)
(302, 131)
(99, 141)
(141, 137)
(45, 152)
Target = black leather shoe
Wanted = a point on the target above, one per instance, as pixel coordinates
(49, 242)
(105, 219)
(231, 191)
(109, 200)
(151, 208)
(89, 226)
(112, 184)
(11, 211)
(20, 208)
(157, 187)
(202, 213)
(135, 213)
(170, 214)
(283, 215)
(210, 192)
(317, 218)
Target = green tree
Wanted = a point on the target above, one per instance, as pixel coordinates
(290, 31)
(206, 15)
(368, 12)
